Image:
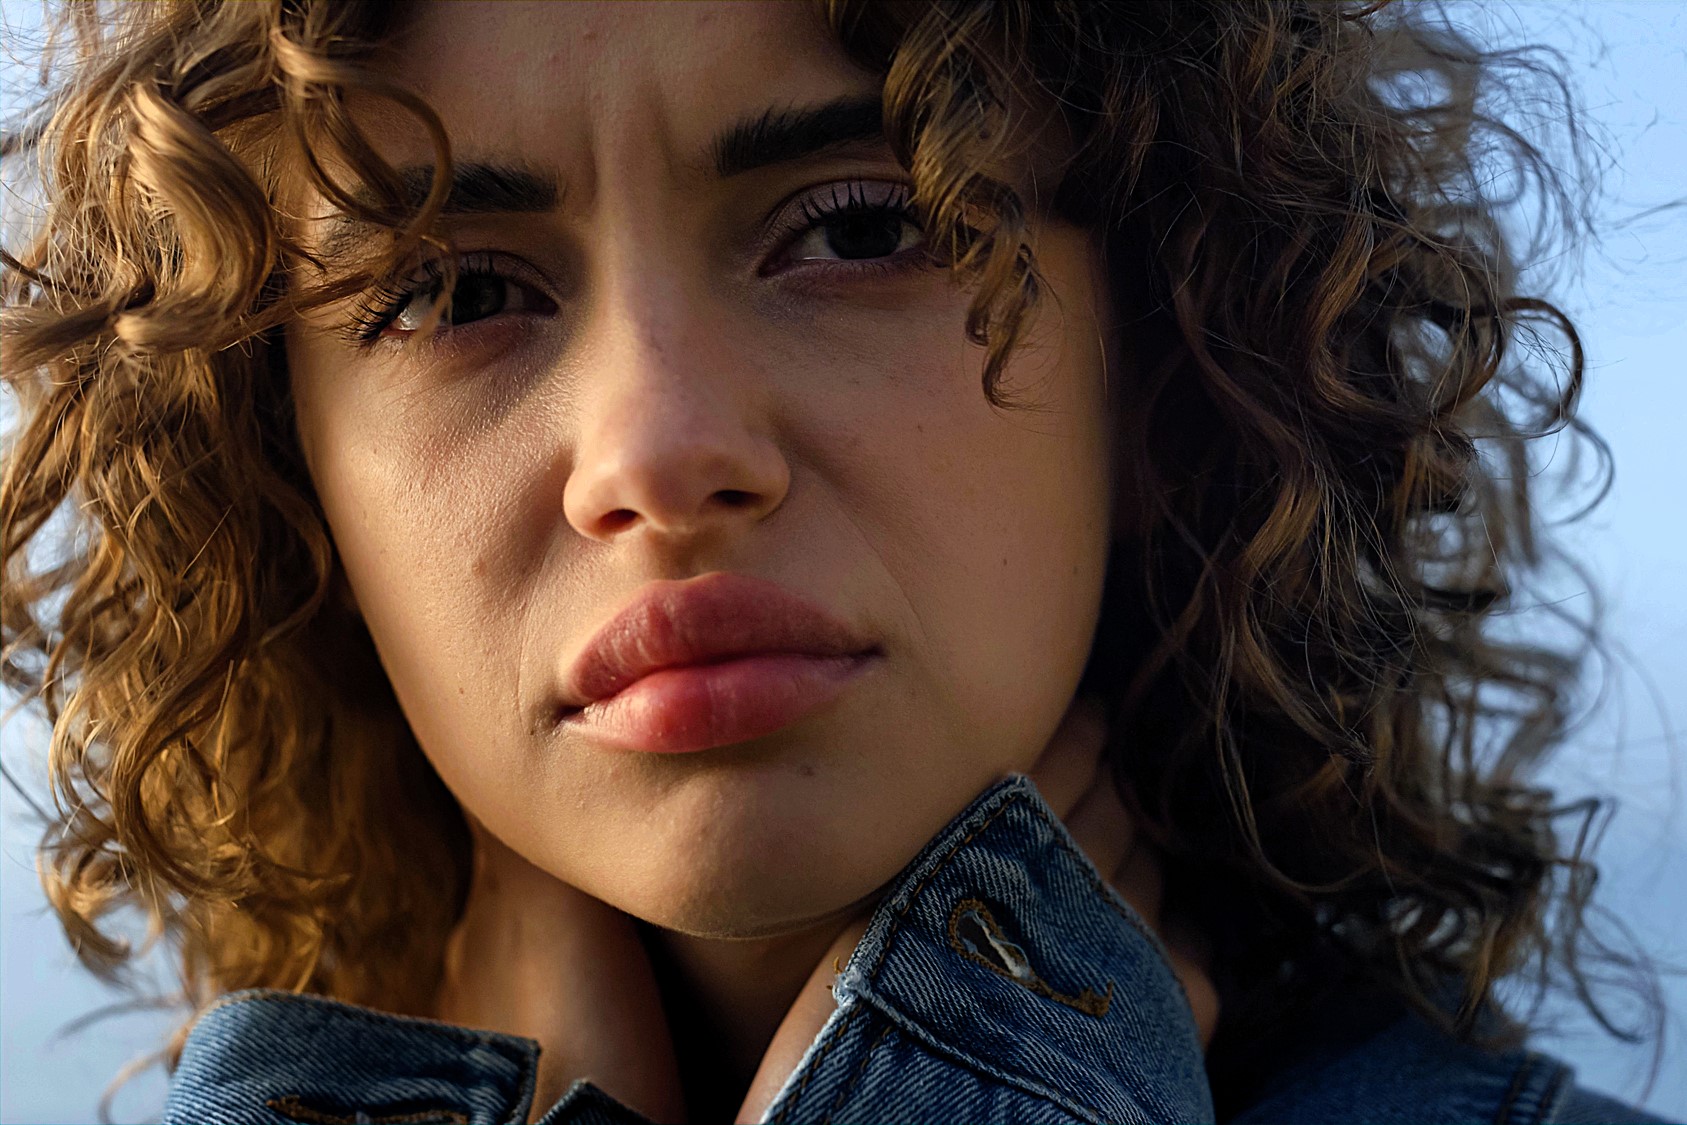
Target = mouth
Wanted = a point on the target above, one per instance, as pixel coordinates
(708, 661)
(692, 707)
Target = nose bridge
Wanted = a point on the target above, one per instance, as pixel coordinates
(673, 433)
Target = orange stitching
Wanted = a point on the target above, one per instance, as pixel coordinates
(859, 1070)
(1100, 886)
(1083, 861)
(896, 923)
(293, 1109)
(814, 1064)
(1088, 1002)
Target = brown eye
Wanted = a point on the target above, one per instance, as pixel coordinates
(854, 223)
(474, 297)
(853, 236)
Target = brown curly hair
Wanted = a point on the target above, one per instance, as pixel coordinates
(1311, 709)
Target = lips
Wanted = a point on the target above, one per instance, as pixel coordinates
(720, 658)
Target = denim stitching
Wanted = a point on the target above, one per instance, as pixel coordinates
(293, 1109)
(896, 923)
(1101, 887)
(1084, 863)
(1550, 1095)
(1089, 1002)
(461, 1034)
(1517, 1082)
(925, 1041)
(860, 1069)
(814, 1064)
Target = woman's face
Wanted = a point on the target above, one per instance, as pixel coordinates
(673, 371)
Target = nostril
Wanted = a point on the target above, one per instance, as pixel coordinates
(613, 522)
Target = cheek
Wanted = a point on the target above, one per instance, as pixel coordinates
(1014, 524)
(414, 529)
(987, 527)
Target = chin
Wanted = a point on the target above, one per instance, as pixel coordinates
(736, 874)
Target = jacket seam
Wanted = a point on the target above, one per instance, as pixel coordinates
(1100, 886)
(1518, 1081)
(292, 1107)
(814, 1065)
(460, 1034)
(923, 1039)
(1553, 1089)
(860, 1069)
(1097, 884)
(913, 896)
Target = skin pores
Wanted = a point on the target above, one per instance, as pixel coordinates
(684, 379)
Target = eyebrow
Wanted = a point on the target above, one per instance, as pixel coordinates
(774, 136)
(476, 189)
(781, 136)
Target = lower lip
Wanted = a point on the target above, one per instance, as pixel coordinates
(700, 706)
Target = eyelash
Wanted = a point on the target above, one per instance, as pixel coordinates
(898, 204)
(383, 304)
(374, 313)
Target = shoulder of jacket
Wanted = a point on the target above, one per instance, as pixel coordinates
(1582, 1106)
(1413, 1074)
(269, 1056)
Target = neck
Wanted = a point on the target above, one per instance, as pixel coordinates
(725, 999)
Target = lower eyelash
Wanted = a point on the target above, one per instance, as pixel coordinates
(379, 308)
(372, 314)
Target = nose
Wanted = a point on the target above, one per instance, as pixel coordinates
(675, 440)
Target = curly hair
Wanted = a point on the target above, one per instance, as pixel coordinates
(1312, 709)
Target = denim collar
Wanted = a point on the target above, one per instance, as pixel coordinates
(998, 956)
(1001, 947)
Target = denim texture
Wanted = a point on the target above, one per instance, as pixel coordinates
(999, 980)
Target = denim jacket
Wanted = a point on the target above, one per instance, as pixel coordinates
(1000, 979)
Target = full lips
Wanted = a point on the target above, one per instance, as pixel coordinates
(699, 706)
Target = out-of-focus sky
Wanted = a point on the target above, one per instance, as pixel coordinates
(1628, 61)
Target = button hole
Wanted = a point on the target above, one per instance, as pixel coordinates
(975, 934)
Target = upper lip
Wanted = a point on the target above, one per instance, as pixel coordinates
(715, 617)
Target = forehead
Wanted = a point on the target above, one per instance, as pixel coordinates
(600, 79)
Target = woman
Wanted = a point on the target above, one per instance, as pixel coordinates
(758, 562)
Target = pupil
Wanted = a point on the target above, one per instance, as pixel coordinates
(869, 235)
(475, 298)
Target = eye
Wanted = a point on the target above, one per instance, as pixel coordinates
(474, 297)
(862, 223)
(481, 291)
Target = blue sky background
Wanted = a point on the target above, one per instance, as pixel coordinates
(1628, 294)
